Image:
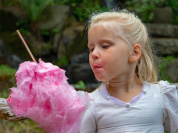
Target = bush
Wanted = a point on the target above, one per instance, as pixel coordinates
(34, 8)
(24, 126)
(144, 8)
(81, 9)
(7, 80)
(6, 72)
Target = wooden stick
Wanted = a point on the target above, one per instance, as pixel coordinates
(25, 45)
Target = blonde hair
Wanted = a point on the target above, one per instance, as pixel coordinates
(129, 27)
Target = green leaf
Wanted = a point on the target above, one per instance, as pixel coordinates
(34, 8)
(80, 85)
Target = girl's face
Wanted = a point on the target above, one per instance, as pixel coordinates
(108, 56)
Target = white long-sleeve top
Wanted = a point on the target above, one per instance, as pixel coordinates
(154, 110)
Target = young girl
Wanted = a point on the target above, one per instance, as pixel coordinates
(127, 101)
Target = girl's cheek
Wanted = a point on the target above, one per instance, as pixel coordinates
(105, 60)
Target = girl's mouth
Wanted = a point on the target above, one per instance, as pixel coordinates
(97, 66)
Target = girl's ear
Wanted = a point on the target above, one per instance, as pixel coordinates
(136, 53)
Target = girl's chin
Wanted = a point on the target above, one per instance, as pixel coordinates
(100, 78)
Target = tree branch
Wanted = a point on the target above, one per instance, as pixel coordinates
(6, 113)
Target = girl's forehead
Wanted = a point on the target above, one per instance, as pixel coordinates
(103, 30)
(112, 26)
(99, 31)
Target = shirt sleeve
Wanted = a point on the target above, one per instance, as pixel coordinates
(170, 101)
(88, 124)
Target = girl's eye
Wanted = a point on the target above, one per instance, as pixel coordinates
(91, 49)
(105, 46)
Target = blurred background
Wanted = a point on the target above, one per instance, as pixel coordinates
(55, 32)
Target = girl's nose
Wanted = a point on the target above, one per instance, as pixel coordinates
(95, 54)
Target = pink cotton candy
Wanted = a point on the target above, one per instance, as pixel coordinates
(44, 95)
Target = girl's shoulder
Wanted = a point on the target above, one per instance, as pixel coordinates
(167, 89)
(164, 87)
(169, 95)
(167, 92)
(170, 101)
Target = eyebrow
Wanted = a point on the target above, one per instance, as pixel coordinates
(101, 41)
(89, 44)
(106, 40)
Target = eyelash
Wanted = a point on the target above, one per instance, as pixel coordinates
(91, 49)
(105, 46)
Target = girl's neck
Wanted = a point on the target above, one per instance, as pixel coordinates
(124, 85)
(125, 90)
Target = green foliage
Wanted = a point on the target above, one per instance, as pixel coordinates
(68, 2)
(45, 32)
(86, 8)
(62, 62)
(80, 85)
(6, 71)
(56, 31)
(4, 93)
(144, 8)
(163, 65)
(46, 47)
(82, 8)
(24, 126)
(7, 3)
(7, 80)
(174, 5)
(50, 32)
(34, 8)
(23, 26)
